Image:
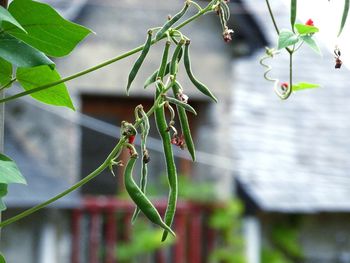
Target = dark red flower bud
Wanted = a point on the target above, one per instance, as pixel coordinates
(131, 139)
(309, 22)
(284, 86)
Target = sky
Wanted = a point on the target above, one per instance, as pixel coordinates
(327, 15)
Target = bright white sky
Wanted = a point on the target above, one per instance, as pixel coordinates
(327, 16)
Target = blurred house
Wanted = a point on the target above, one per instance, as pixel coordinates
(56, 147)
(291, 158)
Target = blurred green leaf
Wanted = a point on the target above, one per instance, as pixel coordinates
(144, 239)
(304, 85)
(195, 191)
(286, 237)
(9, 172)
(31, 78)
(306, 29)
(311, 43)
(5, 72)
(2, 259)
(287, 38)
(3, 193)
(225, 216)
(6, 16)
(269, 255)
(47, 30)
(20, 54)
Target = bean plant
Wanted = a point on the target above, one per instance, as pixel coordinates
(291, 40)
(31, 32)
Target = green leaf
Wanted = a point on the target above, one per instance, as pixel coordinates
(47, 30)
(311, 43)
(2, 259)
(304, 85)
(9, 172)
(21, 54)
(6, 16)
(3, 193)
(31, 78)
(287, 38)
(344, 16)
(293, 12)
(5, 72)
(306, 29)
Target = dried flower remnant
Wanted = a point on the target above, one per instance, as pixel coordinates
(284, 86)
(227, 35)
(178, 141)
(146, 158)
(182, 97)
(338, 61)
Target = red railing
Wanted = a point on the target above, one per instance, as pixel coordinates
(95, 231)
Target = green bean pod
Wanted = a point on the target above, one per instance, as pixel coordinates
(172, 21)
(140, 60)
(293, 13)
(181, 51)
(224, 8)
(140, 199)
(145, 127)
(184, 124)
(223, 22)
(175, 59)
(200, 86)
(181, 104)
(163, 64)
(151, 79)
(344, 16)
(170, 164)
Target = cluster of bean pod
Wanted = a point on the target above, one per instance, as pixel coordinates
(168, 68)
(223, 11)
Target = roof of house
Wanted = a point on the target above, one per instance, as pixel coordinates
(291, 156)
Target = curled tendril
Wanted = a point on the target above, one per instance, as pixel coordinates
(282, 92)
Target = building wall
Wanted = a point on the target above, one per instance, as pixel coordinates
(121, 25)
(47, 137)
(44, 237)
(323, 238)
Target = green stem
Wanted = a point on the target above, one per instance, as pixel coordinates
(88, 178)
(103, 64)
(272, 16)
(289, 92)
(291, 68)
(8, 84)
(196, 5)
